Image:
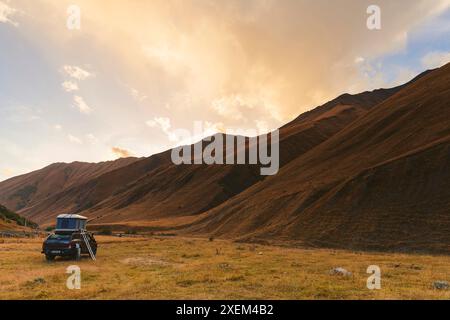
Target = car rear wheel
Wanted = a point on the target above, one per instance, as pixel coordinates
(77, 255)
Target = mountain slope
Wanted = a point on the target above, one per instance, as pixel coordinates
(319, 196)
(382, 182)
(28, 189)
(152, 189)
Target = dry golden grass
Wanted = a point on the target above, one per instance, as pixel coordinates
(180, 268)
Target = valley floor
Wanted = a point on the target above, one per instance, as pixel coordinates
(182, 268)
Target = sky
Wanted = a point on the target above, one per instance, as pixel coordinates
(135, 71)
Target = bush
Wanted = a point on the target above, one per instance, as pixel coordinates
(6, 214)
(105, 231)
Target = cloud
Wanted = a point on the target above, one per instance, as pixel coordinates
(262, 126)
(230, 107)
(6, 12)
(74, 139)
(199, 56)
(77, 72)
(233, 61)
(82, 105)
(70, 86)
(137, 95)
(435, 59)
(359, 60)
(164, 124)
(57, 127)
(403, 75)
(91, 138)
(161, 122)
(224, 54)
(121, 153)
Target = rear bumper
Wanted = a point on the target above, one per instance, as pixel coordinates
(61, 252)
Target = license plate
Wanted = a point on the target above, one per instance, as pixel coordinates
(55, 251)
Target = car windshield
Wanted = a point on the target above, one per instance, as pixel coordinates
(60, 237)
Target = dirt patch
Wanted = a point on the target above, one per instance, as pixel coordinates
(145, 261)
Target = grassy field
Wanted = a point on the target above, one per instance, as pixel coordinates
(180, 268)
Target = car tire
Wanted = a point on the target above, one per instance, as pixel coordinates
(77, 255)
(49, 257)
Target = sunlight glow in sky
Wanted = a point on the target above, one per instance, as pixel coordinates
(136, 70)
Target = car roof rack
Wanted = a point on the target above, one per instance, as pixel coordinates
(71, 216)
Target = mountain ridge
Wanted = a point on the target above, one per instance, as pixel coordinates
(391, 131)
(327, 154)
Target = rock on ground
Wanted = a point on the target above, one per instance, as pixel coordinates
(340, 272)
(441, 285)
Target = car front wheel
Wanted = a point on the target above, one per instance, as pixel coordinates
(49, 257)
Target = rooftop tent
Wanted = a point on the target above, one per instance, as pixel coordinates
(70, 222)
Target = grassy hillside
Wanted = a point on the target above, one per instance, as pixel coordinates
(8, 217)
(26, 190)
(381, 183)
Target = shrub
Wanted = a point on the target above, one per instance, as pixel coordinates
(105, 231)
(6, 214)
